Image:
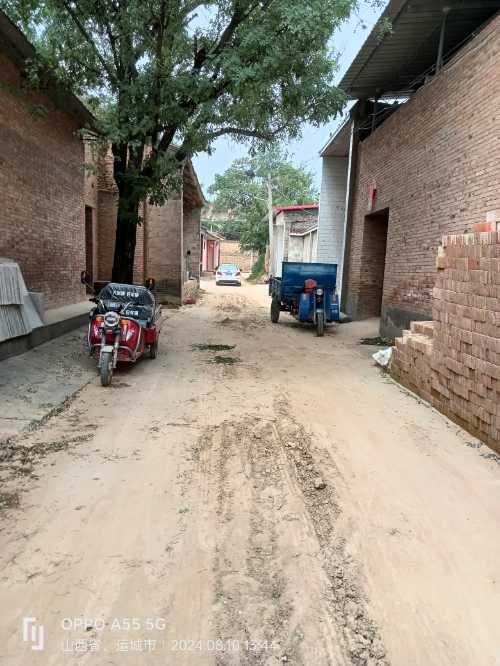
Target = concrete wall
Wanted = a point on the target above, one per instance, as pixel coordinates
(296, 248)
(191, 241)
(42, 196)
(435, 166)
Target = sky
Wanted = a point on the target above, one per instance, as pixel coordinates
(305, 151)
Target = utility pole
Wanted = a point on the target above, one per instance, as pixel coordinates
(270, 266)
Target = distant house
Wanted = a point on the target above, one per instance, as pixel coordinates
(295, 234)
(210, 242)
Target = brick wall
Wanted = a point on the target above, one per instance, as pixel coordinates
(165, 247)
(231, 253)
(107, 209)
(435, 164)
(42, 195)
(457, 367)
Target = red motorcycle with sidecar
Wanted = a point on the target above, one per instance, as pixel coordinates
(124, 324)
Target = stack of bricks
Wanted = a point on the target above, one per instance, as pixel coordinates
(454, 361)
(466, 354)
(412, 358)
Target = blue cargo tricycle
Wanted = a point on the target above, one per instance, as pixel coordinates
(308, 292)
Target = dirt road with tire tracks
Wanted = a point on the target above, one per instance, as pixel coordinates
(254, 496)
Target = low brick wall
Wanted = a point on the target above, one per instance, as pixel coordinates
(411, 363)
(454, 361)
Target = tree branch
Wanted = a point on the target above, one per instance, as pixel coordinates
(265, 136)
(88, 38)
(236, 20)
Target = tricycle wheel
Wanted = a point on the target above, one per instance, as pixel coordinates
(320, 324)
(153, 349)
(106, 368)
(275, 310)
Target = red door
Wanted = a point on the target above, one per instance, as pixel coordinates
(210, 254)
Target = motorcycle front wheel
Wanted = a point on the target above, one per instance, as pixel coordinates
(106, 368)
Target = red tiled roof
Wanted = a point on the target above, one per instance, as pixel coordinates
(279, 209)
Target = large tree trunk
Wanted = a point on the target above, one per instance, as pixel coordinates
(126, 233)
(126, 164)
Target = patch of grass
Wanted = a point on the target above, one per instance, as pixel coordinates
(214, 348)
(257, 270)
(378, 341)
(225, 360)
(171, 306)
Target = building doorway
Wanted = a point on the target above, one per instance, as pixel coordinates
(373, 263)
(89, 243)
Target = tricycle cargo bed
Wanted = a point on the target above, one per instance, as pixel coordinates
(295, 273)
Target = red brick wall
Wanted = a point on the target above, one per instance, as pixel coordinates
(435, 163)
(164, 242)
(455, 362)
(41, 192)
(231, 253)
(107, 215)
(107, 208)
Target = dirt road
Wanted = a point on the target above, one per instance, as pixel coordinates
(256, 495)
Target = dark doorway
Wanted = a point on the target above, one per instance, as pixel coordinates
(89, 243)
(373, 263)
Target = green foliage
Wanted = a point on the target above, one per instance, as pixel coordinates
(230, 228)
(190, 71)
(174, 76)
(383, 28)
(242, 190)
(258, 269)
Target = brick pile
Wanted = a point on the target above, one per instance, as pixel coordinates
(454, 361)
(466, 312)
(411, 362)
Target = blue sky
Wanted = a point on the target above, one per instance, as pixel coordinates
(347, 41)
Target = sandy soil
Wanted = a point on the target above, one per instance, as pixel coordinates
(277, 501)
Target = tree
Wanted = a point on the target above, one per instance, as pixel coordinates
(166, 78)
(242, 190)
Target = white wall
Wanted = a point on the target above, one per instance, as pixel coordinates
(277, 250)
(332, 210)
(314, 247)
(296, 248)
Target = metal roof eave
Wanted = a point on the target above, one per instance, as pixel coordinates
(393, 66)
(338, 143)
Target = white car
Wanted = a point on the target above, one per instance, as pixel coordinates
(228, 274)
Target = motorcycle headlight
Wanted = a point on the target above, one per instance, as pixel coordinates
(319, 292)
(111, 319)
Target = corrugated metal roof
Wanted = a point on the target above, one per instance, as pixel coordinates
(396, 64)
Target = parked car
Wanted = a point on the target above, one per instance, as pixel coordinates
(228, 274)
